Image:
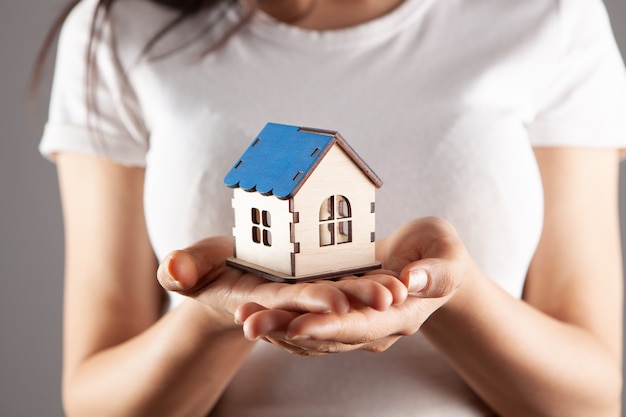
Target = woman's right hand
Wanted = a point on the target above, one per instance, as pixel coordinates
(200, 272)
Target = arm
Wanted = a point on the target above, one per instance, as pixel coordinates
(120, 357)
(557, 352)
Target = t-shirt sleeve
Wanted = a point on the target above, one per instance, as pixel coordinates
(584, 104)
(113, 126)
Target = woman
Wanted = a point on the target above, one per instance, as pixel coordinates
(502, 119)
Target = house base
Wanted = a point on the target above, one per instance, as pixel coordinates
(276, 276)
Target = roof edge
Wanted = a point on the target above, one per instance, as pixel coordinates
(367, 170)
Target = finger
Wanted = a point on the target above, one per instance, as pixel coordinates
(319, 297)
(234, 288)
(188, 269)
(267, 323)
(246, 310)
(177, 272)
(350, 328)
(312, 347)
(375, 291)
(382, 272)
(360, 326)
(363, 293)
(390, 273)
(291, 348)
(394, 285)
(432, 278)
(330, 327)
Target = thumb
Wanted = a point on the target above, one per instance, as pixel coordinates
(178, 272)
(187, 270)
(429, 278)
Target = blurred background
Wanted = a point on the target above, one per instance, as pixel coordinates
(31, 233)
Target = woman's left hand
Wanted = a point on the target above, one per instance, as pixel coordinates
(426, 255)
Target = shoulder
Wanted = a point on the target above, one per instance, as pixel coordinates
(132, 22)
(583, 22)
(141, 12)
(588, 10)
(567, 13)
(140, 18)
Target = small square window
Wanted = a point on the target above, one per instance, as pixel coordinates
(267, 219)
(267, 237)
(256, 234)
(261, 223)
(256, 217)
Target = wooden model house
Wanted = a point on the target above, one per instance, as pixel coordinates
(304, 205)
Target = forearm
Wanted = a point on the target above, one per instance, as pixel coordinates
(523, 362)
(179, 366)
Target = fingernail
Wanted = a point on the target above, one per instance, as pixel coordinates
(165, 277)
(177, 269)
(418, 279)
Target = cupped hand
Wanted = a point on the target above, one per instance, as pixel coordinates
(425, 255)
(428, 255)
(200, 272)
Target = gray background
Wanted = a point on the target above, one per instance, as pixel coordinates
(31, 232)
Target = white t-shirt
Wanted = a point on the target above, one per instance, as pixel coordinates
(443, 99)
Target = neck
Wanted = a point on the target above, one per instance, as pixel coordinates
(327, 14)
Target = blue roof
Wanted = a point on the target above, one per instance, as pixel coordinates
(281, 157)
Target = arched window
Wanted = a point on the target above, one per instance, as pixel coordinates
(335, 221)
